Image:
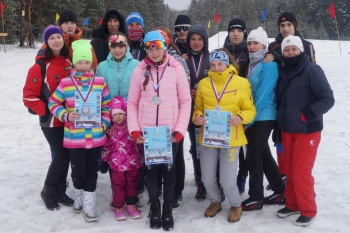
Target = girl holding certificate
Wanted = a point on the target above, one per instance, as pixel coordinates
(222, 92)
(159, 95)
(81, 102)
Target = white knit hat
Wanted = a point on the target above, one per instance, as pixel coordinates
(258, 35)
(292, 40)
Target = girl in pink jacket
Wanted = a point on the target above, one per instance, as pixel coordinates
(159, 95)
(124, 162)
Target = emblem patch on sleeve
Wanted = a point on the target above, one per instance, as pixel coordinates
(35, 80)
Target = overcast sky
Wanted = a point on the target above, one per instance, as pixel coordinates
(178, 4)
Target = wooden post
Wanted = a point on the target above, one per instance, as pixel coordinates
(336, 25)
(3, 34)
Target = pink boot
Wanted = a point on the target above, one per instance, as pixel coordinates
(119, 214)
(133, 211)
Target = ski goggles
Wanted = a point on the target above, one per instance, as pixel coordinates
(117, 40)
(154, 44)
(179, 28)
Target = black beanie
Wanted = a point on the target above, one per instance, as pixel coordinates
(183, 20)
(66, 16)
(287, 16)
(237, 23)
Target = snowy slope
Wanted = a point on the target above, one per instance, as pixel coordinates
(25, 157)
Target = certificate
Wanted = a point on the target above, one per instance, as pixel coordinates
(89, 110)
(157, 146)
(216, 131)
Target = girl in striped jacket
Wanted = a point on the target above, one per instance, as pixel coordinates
(81, 102)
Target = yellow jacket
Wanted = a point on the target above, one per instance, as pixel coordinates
(237, 99)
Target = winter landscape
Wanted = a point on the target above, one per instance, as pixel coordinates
(25, 157)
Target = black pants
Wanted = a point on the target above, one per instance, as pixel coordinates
(193, 151)
(180, 168)
(168, 173)
(260, 161)
(60, 164)
(243, 167)
(85, 164)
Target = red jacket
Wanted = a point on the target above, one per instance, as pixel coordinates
(37, 90)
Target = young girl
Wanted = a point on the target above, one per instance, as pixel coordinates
(124, 162)
(223, 90)
(55, 63)
(159, 95)
(79, 101)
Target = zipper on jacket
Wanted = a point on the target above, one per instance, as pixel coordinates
(118, 78)
(158, 97)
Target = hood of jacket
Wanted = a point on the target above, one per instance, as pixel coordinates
(103, 28)
(199, 29)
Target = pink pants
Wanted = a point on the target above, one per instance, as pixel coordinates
(300, 154)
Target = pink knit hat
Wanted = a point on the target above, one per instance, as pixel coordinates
(117, 105)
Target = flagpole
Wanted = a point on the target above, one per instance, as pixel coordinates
(336, 25)
(3, 26)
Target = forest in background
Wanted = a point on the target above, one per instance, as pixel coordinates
(314, 19)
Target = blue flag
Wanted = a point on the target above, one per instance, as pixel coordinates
(86, 21)
(264, 14)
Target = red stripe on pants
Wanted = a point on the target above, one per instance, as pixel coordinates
(300, 152)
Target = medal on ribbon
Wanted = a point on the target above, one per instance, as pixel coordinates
(155, 99)
(217, 95)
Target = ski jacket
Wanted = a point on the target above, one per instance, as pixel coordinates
(236, 99)
(120, 150)
(37, 89)
(263, 80)
(241, 54)
(181, 46)
(137, 49)
(117, 74)
(174, 94)
(304, 90)
(180, 59)
(62, 101)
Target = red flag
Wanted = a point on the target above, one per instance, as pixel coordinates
(2, 7)
(100, 22)
(331, 10)
(217, 18)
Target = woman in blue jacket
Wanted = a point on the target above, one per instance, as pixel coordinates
(263, 80)
(118, 67)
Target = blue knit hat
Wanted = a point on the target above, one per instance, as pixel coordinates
(50, 30)
(219, 55)
(134, 17)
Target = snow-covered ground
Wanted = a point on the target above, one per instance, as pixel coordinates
(25, 157)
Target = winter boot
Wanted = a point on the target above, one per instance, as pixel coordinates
(78, 203)
(251, 204)
(235, 214)
(61, 196)
(48, 196)
(213, 209)
(177, 200)
(154, 215)
(89, 204)
(201, 193)
(275, 198)
(167, 217)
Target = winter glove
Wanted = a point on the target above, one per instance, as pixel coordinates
(104, 167)
(136, 134)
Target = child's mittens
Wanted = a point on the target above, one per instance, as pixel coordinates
(136, 134)
(104, 167)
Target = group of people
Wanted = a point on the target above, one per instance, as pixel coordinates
(128, 80)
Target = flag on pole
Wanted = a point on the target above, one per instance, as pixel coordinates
(217, 18)
(86, 21)
(100, 21)
(209, 24)
(2, 8)
(264, 14)
(331, 10)
(57, 17)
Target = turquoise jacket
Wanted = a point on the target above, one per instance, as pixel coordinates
(117, 74)
(263, 80)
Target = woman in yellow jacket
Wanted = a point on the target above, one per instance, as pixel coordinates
(223, 91)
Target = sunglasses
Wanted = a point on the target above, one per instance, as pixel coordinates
(154, 44)
(179, 28)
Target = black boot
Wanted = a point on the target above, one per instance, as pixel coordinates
(154, 215)
(201, 193)
(167, 217)
(47, 194)
(61, 196)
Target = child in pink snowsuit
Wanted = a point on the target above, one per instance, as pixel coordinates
(124, 162)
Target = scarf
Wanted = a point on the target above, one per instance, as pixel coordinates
(135, 33)
(256, 57)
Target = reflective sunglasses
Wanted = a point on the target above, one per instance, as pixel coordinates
(179, 28)
(154, 44)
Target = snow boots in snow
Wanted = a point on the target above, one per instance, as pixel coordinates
(78, 203)
(89, 204)
(167, 217)
(48, 196)
(154, 215)
(61, 196)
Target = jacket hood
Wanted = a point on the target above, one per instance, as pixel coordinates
(199, 29)
(103, 27)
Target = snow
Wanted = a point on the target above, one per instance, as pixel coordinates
(25, 157)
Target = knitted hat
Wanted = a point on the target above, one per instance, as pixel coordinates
(237, 23)
(134, 17)
(258, 35)
(81, 51)
(50, 30)
(219, 55)
(292, 40)
(287, 16)
(117, 105)
(67, 16)
(182, 20)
